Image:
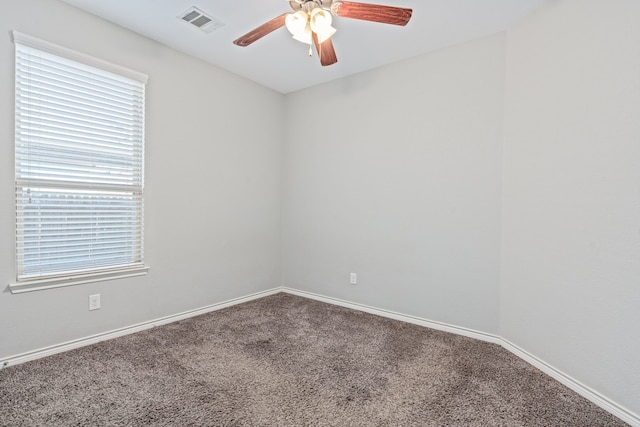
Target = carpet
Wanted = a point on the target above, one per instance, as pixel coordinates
(284, 360)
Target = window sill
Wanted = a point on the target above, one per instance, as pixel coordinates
(58, 282)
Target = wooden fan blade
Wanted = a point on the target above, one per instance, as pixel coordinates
(261, 31)
(372, 12)
(325, 51)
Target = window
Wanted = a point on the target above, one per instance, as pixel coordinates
(79, 156)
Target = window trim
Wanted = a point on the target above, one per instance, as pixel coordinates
(77, 279)
(66, 279)
(27, 40)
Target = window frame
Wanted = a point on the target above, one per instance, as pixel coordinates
(59, 279)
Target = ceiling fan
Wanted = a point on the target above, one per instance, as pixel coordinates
(310, 22)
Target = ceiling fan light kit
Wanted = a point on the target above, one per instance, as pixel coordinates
(310, 23)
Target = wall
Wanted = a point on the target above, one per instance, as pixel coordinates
(395, 174)
(213, 185)
(571, 228)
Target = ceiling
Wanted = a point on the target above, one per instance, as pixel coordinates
(281, 63)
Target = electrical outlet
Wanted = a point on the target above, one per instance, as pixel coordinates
(94, 302)
(353, 279)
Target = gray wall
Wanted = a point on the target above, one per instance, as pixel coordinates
(571, 221)
(213, 185)
(395, 174)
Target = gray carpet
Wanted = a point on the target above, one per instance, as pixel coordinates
(288, 361)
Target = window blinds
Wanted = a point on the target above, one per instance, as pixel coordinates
(79, 152)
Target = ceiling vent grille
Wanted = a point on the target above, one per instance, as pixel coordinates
(200, 20)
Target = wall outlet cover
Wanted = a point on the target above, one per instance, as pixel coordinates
(94, 302)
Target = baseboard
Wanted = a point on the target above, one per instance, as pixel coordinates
(471, 333)
(81, 342)
(575, 385)
(587, 392)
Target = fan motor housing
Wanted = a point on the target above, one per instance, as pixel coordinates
(297, 5)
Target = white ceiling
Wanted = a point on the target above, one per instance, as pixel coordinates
(281, 63)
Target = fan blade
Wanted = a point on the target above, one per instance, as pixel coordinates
(372, 12)
(261, 31)
(325, 51)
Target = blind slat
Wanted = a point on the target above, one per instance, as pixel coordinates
(79, 163)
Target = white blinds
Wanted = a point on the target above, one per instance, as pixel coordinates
(79, 167)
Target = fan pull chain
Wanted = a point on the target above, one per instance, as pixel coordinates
(310, 51)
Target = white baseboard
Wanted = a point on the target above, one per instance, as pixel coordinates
(575, 385)
(81, 342)
(587, 392)
(471, 333)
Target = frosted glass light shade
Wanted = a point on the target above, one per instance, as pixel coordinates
(298, 25)
(320, 23)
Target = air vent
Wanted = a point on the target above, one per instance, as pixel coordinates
(200, 20)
